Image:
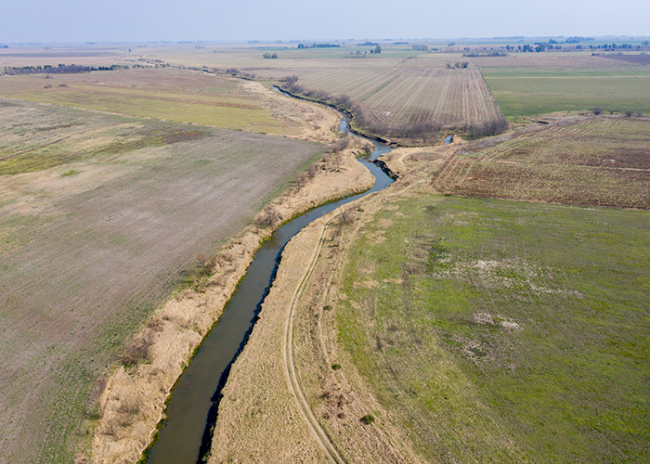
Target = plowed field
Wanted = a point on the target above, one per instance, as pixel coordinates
(601, 161)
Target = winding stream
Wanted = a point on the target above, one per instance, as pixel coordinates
(191, 413)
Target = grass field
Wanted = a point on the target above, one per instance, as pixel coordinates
(169, 94)
(593, 161)
(99, 216)
(528, 85)
(498, 331)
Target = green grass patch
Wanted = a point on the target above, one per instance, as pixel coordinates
(539, 92)
(71, 173)
(505, 331)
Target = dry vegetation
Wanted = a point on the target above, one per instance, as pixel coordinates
(99, 217)
(402, 94)
(410, 103)
(394, 100)
(186, 319)
(598, 161)
(174, 95)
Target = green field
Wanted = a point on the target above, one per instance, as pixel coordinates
(499, 331)
(539, 91)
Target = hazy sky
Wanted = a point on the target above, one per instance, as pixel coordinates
(173, 20)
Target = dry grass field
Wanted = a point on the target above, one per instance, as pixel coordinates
(168, 94)
(598, 161)
(99, 217)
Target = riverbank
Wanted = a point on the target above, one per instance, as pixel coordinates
(132, 402)
(259, 419)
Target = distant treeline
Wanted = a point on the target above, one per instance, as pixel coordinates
(318, 45)
(60, 69)
(477, 54)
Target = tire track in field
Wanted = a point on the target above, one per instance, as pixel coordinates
(289, 366)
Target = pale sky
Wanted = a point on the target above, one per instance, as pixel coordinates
(58, 21)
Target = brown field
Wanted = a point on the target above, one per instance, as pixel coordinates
(85, 56)
(634, 59)
(597, 161)
(553, 61)
(99, 217)
(454, 98)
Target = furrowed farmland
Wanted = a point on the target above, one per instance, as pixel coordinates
(451, 98)
(100, 218)
(601, 161)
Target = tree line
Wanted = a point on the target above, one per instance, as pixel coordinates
(60, 69)
(318, 45)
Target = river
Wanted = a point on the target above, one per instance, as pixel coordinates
(186, 434)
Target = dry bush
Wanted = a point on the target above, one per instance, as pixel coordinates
(156, 325)
(302, 180)
(130, 406)
(489, 128)
(112, 426)
(340, 144)
(313, 169)
(269, 217)
(367, 147)
(138, 350)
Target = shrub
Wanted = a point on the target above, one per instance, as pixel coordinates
(269, 217)
(368, 419)
(139, 349)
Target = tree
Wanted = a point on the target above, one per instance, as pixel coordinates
(377, 49)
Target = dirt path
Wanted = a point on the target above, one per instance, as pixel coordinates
(133, 401)
(290, 369)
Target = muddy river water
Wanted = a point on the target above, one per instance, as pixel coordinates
(185, 436)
